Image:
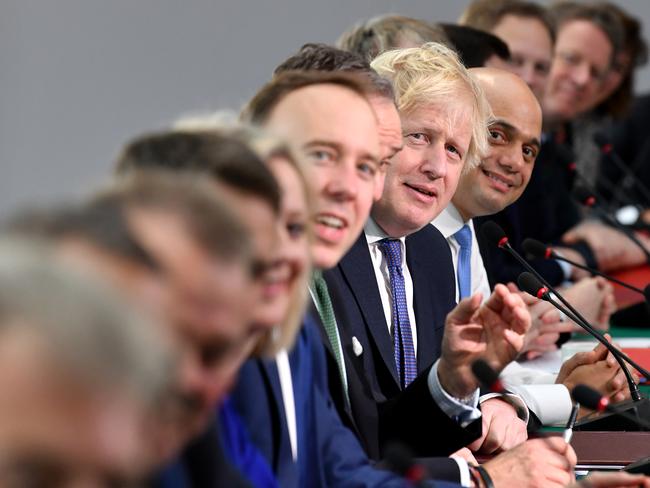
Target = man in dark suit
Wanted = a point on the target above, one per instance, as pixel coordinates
(420, 181)
(327, 122)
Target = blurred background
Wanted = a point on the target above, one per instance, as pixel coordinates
(80, 77)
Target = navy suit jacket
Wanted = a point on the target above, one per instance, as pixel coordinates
(329, 454)
(379, 410)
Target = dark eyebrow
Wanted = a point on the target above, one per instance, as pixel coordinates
(513, 130)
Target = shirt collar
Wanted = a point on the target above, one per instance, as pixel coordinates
(449, 221)
(374, 233)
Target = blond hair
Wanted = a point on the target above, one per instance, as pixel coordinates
(433, 74)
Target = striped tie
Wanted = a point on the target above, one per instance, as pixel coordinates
(404, 351)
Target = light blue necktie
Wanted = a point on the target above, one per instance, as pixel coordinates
(464, 271)
(404, 351)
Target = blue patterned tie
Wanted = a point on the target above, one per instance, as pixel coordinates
(464, 269)
(402, 338)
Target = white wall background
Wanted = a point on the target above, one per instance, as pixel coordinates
(80, 77)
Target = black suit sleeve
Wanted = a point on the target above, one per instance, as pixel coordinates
(413, 417)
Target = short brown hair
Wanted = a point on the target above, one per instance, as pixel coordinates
(323, 57)
(207, 218)
(258, 109)
(598, 14)
(225, 158)
(372, 37)
(486, 14)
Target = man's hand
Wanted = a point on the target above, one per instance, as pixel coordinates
(545, 328)
(612, 249)
(619, 479)
(537, 463)
(502, 428)
(597, 369)
(594, 299)
(573, 255)
(493, 331)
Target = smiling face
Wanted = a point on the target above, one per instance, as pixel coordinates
(423, 176)
(334, 131)
(582, 59)
(531, 49)
(503, 174)
(293, 259)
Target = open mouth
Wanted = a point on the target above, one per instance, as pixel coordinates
(421, 190)
(330, 221)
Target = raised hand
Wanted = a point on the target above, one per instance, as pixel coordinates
(493, 331)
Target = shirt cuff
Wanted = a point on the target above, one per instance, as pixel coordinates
(564, 266)
(550, 403)
(463, 468)
(515, 401)
(463, 410)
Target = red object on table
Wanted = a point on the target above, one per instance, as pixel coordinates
(638, 277)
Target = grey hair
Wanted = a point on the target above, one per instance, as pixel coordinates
(95, 337)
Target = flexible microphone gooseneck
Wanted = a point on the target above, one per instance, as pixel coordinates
(586, 198)
(531, 285)
(494, 233)
(537, 249)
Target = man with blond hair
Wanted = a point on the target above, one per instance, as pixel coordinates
(396, 284)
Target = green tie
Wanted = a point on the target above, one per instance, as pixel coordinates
(326, 312)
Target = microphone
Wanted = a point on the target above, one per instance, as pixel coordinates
(537, 249)
(531, 285)
(400, 460)
(487, 376)
(493, 232)
(607, 148)
(593, 400)
(586, 198)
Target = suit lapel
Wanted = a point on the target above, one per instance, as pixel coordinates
(357, 269)
(422, 299)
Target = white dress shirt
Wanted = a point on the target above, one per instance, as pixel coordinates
(466, 409)
(550, 402)
(286, 385)
(448, 223)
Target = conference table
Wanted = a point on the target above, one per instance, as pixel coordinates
(612, 450)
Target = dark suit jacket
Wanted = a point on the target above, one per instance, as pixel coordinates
(328, 452)
(630, 140)
(379, 410)
(202, 464)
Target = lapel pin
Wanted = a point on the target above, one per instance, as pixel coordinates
(357, 348)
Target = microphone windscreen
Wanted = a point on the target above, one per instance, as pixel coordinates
(601, 139)
(529, 283)
(399, 458)
(584, 196)
(484, 373)
(534, 248)
(588, 397)
(493, 232)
